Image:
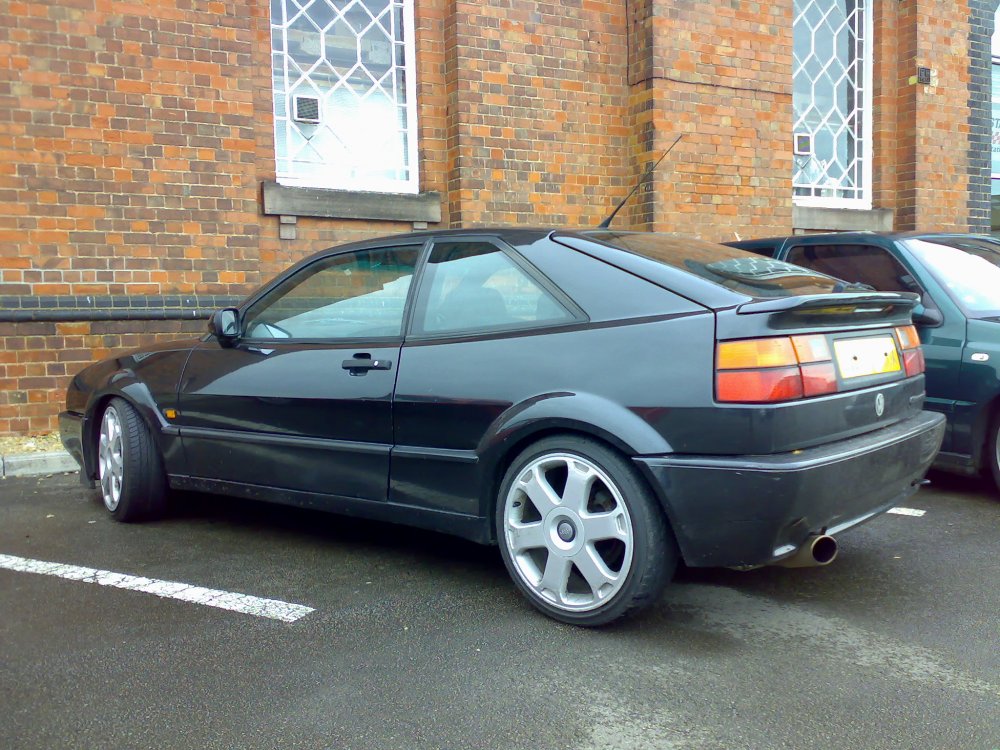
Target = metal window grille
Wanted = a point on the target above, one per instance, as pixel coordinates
(306, 109)
(356, 59)
(832, 102)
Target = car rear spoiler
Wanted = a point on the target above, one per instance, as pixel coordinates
(854, 308)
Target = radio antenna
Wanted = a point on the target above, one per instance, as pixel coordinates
(607, 222)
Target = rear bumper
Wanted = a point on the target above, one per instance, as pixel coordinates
(754, 510)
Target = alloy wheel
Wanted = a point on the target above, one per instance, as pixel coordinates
(111, 459)
(569, 532)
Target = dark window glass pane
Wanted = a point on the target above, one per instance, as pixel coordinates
(475, 285)
(864, 264)
(743, 272)
(357, 295)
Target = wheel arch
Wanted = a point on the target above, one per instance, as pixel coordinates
(989, 415)
(125, 385)
(985, 418)
(620, 430)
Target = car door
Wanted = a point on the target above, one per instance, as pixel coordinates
(883, 270)
(469, 355)
(302, 400)
(964, 272)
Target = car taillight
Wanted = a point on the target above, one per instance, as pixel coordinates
(913, 355)
(777, 384)
(780, 368)
(786, 368)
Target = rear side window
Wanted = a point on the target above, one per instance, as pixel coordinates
(859, 264)
(743, 272)
(476, 286)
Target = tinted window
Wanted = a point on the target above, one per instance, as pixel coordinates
(739, 270)
(474, 285)
(760, 247)
(354, 295)
(859, 264)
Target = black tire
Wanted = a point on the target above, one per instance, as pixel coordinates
(651, 556)
(137, 492)
(992, 457)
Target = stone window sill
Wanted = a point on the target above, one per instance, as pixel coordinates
(285, 200)
(809, 219)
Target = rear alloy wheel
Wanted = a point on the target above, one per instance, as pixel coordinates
(129, 467)
(581, 534)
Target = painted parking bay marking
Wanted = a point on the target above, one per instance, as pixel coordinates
(185, 592)
(907, 512)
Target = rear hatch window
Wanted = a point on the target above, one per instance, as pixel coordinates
(738, 270)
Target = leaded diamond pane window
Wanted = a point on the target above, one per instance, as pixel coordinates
(831, 101)
(344, 94)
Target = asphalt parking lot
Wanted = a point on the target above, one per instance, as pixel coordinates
(406, 639)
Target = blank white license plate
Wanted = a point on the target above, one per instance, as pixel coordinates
(875, 355)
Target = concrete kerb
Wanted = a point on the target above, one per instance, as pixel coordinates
(35, 464)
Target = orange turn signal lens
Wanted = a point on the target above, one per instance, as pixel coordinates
(743, 355)
(908, 337)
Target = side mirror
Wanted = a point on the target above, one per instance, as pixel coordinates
(225, 325)
(925, 316)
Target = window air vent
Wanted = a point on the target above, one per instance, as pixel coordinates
(803, 145)
(306, 109)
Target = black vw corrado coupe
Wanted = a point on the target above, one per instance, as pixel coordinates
(600, 404)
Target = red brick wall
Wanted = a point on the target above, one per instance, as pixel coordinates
(932, 130)
(37, 361)
(723, 79)
(890, 153)
(127, 159)
(537, 107)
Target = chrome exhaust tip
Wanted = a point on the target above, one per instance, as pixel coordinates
(816, 551)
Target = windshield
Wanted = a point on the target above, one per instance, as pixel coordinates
(970, 274)
(742, 271)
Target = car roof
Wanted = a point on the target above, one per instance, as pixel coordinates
(858, 236)
(512, 235)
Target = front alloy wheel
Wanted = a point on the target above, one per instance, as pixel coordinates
(111, 459)
(580, 532)
(129, 465)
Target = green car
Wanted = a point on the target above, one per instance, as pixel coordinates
(958, 279)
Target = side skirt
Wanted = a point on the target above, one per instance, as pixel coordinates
(473, 528)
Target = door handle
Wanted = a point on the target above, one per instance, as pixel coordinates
(360, 365)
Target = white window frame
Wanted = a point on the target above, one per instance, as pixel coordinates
(331, 178)
(868, 151)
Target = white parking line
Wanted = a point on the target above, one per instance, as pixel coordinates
(907, 512)
(185, 592)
